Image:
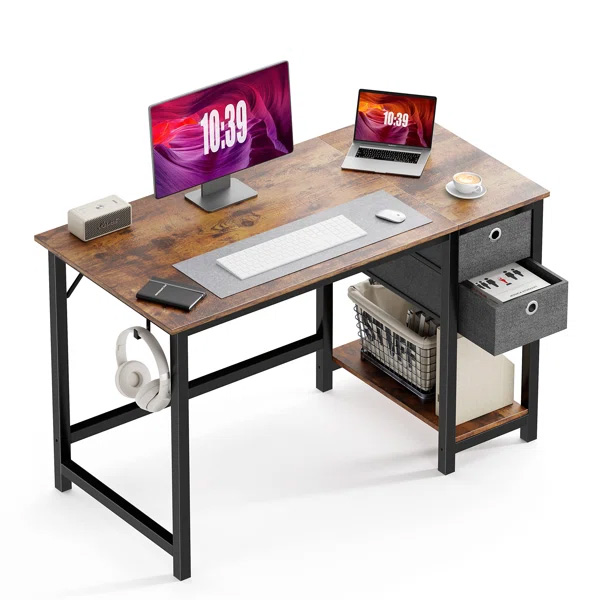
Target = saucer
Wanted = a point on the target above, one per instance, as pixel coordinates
(454, 192)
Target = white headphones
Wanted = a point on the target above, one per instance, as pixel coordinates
(133, 377)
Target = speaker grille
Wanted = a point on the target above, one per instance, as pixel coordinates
(102, 225)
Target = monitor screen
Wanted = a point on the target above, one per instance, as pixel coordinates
(400, 119)
(221, 129)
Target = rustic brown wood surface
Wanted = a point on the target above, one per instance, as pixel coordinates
(506, 189)
(348, 357)
(309, 180)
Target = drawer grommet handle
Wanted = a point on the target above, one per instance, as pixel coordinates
(495, 234)
(532, 307)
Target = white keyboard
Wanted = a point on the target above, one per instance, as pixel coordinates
(291, 247)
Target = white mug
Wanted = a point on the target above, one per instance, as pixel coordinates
(468, 188)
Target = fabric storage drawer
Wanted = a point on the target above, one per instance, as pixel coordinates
(488, 247)
(500, 327)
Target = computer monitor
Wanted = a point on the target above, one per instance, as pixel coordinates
(205, 136)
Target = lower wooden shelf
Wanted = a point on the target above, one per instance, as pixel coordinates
(348, 357)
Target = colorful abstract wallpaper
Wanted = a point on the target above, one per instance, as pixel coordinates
(220, 130)
(395, 119)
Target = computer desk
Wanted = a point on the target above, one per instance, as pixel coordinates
(172, 229)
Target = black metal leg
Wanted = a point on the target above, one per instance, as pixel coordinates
(529, 389)
(60, 369)
(180, 451)
(447, 357)
(531, 352)
(325, 330)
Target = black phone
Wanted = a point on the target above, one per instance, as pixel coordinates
(171, 293)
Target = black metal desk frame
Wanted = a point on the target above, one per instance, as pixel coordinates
(177, 543)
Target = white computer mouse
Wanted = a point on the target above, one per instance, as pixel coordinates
(395, 216)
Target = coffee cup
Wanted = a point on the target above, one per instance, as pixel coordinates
(468, 183)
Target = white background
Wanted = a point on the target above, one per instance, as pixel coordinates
(295, 494)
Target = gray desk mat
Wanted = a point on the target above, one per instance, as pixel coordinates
(204, 268)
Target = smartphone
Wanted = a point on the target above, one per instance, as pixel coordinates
(171, 293)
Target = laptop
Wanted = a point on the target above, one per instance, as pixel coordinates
(392, 133)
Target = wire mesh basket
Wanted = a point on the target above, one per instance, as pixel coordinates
(389, 344)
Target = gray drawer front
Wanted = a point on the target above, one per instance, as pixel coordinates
(479, 252)
(412, 279)
(499, 328)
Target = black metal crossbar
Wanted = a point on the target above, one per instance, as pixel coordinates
(117, 504)
(486, 436)
(106, 421)
(255, 365)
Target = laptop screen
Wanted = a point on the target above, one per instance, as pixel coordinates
(399, 119)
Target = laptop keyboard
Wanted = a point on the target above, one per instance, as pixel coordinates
(379, 154)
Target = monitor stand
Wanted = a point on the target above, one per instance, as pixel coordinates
(220, 193)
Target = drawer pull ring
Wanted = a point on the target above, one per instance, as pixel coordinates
(532, 307)
(495, 234)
